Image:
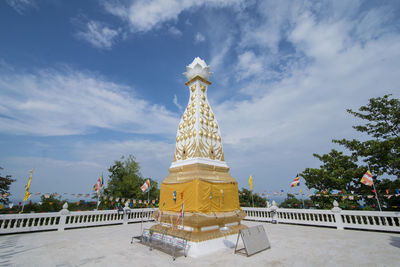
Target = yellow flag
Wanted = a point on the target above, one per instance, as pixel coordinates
(27, 194)
(251, 183)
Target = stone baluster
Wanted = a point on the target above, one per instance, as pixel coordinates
(338, 218)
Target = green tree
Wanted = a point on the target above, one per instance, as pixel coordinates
(125, 181)
(337, 172)
(5, 182)
(247, 197)
(382, 150)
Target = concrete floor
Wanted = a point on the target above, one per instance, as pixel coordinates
(290, 246)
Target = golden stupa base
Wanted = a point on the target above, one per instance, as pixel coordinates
(199, 226)
(197, 236)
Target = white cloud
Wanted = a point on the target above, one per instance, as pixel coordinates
(174, 31)
(99, 35)
(148, 153)
(175, 100)
(145, 15)
(67, 101)
(291, 71)
(21, 6)
(299, 96)
(51, 175)
(90, 161)
(198, 38)
(268, 28)
(248, 65)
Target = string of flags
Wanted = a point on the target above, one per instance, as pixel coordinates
(327, 193)
(86, 196)
(366, 179)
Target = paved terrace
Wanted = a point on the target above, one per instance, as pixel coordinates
(291, 245)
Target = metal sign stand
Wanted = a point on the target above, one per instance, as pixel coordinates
(254, 240)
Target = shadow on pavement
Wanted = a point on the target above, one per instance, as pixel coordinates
(395, 241)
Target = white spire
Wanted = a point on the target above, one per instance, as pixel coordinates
(198, 139)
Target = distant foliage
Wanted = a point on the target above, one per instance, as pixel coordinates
(291, 202)
(125, 181)
(5, 182)
(247, 197)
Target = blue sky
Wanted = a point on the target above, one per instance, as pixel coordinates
(84, 82)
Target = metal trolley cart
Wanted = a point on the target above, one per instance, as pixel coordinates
(164, 242)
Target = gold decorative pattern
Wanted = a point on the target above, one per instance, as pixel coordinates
(197, 77)
(198, 133)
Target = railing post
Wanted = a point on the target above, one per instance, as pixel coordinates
(338, 218)
(274, 212)
(127, 211)
(63, 215)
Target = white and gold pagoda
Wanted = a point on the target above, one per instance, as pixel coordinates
(199, 176)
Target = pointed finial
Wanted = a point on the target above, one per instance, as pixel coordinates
(197, 68)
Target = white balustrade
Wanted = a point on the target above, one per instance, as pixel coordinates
(336, 217)
(30, 222)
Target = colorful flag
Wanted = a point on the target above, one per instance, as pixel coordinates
(98, 185)
(27, 194)
(367, 179)
(146, 186)
(251, 183)
(296, 181)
